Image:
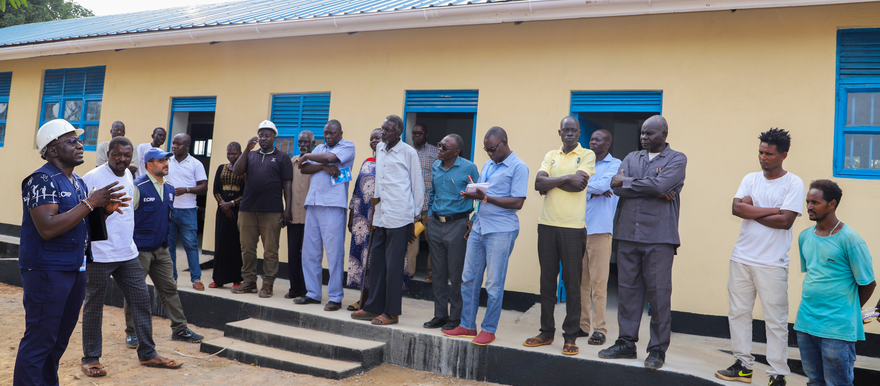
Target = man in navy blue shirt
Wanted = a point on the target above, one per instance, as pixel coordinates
(53, 251)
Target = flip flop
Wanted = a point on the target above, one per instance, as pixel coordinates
(597, 339)
(167, 364)
(354, 307)
(570, 349)
(363, 315)
(536, 341)
(383, 320)
(89, 367)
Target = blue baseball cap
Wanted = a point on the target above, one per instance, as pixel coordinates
(156, 153)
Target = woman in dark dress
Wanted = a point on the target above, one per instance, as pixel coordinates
(228, 189)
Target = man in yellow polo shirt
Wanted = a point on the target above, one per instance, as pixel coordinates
(562, 234)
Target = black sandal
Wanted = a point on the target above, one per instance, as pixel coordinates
(597, 339)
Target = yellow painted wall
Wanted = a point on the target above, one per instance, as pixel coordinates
(725, 77)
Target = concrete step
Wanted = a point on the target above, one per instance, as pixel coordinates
(250, 353)
(310, 342)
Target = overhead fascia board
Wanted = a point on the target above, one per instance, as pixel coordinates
(473, 14)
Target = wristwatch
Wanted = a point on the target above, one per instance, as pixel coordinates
(187, 190)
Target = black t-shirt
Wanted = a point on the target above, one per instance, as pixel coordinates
(263, 191)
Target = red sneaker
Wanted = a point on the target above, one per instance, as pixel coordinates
(460, 332)
(484, 338)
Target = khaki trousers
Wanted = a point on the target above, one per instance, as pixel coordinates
(594, 282)
(771, 286)
(253, 226)
(412, 248)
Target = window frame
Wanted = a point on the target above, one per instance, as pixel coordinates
(844, 85)
(4, 98)
(289, 140)
(82, 97)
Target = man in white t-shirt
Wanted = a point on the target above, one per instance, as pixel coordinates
(768, 202)
(118, 257)
(159, 135)
(187, 175)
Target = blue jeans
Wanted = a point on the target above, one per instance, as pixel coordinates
(185, 221)
(487, 253)
(827, 361)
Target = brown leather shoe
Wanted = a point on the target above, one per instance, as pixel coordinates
(198, 285)
(266, 291)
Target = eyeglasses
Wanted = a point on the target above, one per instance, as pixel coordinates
(444, 147)
(73, 141)
(493, 148)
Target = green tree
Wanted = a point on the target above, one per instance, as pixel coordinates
(13, 3)
(36, 11)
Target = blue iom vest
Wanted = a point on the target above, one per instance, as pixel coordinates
(65, 252)
(152, 214)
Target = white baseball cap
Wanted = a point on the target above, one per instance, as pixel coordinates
(267, 124)
(53, 129)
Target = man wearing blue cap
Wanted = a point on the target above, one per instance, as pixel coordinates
(153, 203)
(53, 250)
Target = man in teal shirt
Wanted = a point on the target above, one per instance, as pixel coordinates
(839, 281)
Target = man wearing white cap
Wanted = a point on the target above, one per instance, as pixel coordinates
(53, 250)
(262, 213)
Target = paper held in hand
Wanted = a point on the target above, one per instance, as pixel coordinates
(344, 176)
(481, 186)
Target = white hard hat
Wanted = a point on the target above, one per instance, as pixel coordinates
(267, 124)
(53, 129)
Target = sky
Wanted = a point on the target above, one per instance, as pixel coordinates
(113, 7)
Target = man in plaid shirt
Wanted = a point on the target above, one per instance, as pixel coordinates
(427, 155)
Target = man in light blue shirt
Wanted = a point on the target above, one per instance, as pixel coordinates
(839, 281)
(326, 206)
(601, 205)
(490, 240)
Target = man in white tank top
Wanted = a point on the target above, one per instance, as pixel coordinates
(768, 202)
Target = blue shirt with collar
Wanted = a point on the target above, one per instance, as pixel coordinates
(447, 185)
(600, 210)
(321, 191)
(510, 178)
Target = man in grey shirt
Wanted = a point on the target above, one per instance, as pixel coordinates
(649, 183)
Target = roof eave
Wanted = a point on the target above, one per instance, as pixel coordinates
(473, 14)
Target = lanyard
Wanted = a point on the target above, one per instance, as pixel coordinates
(489, 174)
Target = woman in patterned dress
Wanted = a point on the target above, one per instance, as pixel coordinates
(359, 219)
(228, 189)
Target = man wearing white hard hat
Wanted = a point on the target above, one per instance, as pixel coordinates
(54, 249)
(262, 212)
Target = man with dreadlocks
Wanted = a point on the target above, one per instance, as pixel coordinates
(768, 202)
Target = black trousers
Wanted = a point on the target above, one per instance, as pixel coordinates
(295, 258)
(565, 245)
(386, 262)
(644, 271)
(448, 246)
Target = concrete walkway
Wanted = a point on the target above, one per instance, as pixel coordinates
(690, 354)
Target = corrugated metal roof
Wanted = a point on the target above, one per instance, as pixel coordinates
(197, 16)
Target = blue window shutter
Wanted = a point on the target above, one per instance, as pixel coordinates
(5, 83)
(53, 84)
(294, 113)
(858, 54)
(442, 101)
(616, 101)
(75, 84)
(94, 83)
(191, 104)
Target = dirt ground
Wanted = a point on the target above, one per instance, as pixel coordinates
(123, 367)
